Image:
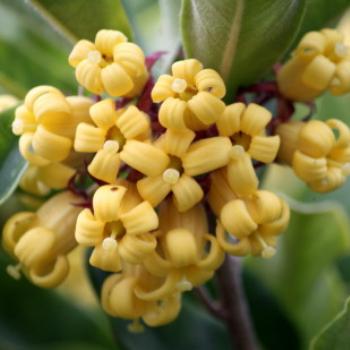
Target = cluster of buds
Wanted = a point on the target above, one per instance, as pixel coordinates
(172, 187)
(320, 62)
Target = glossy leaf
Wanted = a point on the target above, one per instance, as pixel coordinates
(12, 164)
(83, 18)
(31, 53)
(336, 334)
(241, 39)
(321, 13)
(155, 24)
(31, 317)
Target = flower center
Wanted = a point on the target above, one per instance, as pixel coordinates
(110, 242)
(94, 57)
(111, 145)
(179, 85)
(242, 139)
(236, 152)
(171, 176)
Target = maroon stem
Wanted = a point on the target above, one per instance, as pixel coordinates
(214, 307)
(238, 320)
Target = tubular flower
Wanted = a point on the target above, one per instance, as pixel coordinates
(107, 136)
(110, 64)
(246, 225)
(7, 101)
(320, 62)
(191, 96)
(40, 180)
(46, 124)
(182, 257)
(318, 151)
(118, 227)
(246, 126)
(170, 167)
(119, 299)
(40, 241)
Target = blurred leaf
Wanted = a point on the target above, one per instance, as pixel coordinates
(336, 334)
(81, 19)
(320, 14)
(241, 39)
(12, 164)
(303, 270)
(271, 322)
(31, 53)
(31, 317)
(156, 27)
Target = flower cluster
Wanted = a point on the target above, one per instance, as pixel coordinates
(320, 62)
(169, 189)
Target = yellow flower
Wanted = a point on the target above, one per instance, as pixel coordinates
(318, 151)
(109, 64)
(171, 163)
(40, 180)
(182, 257)
(46, 123)
(119, 299)
(248, 224)
(107, 137)
(246, 126)
(191, 96)
(320, 62)
(40, 241)
(118, 227)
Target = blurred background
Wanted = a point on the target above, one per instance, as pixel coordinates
(291, 296)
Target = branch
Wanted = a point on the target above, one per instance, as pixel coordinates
(238, 317)
(212, 306)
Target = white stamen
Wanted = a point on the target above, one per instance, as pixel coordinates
(111, 145)
(109, 243)
(17, 127)
(171, 176)
(179, 85)
(236, 152)
(14, 271)
(267, 251)
(136, 326)
(94, 56)
(341, 50)
(184, 285)
(346, 169)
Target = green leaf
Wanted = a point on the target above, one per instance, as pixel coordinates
(81, 19)
(272, 331)
(241, 39)
(31, 317)
(336, 334)
(31, 53)
(12, 164)
(320, 14)
(303, 273)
